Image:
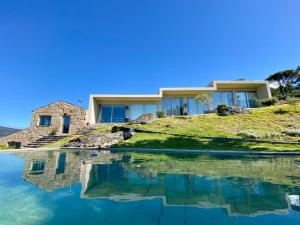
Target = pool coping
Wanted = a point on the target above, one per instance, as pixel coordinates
(168, 151)
(211, 152)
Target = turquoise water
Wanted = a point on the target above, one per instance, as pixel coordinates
(88, 187)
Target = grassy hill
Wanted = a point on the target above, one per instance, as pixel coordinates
(281, 122)
(4, 131)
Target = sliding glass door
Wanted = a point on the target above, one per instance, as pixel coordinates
(137, 110)
(172, 106)
(246, 99)
(112, 113)
(194, 107)
(222, 97)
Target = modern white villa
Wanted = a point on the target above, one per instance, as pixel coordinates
(175, 101)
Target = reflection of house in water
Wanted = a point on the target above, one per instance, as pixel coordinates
(119, 178)
(236, 195)
(52, 170)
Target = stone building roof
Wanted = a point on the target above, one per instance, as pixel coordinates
(68, 103)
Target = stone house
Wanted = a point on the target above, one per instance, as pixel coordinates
(57, 118)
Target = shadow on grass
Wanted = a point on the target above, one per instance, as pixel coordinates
(190, 143)
(281, 111)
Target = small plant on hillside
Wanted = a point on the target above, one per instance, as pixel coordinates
(54, 131)
(222, 110)
(160, 114)
(249, 134)
(293, 102)
(2, 146)
(267, 101)
(292, 132)
(252, 134)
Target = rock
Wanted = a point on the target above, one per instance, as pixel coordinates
(97, 140)
(143, 119)
(226, 111)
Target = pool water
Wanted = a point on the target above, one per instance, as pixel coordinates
(90, 187)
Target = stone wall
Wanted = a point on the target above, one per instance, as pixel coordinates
(56, 110)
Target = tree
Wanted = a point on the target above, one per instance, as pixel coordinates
(204, 99)
(285, 79)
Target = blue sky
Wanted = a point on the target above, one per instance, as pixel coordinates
(51, 50)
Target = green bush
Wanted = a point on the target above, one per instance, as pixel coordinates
(3, 146)
(115, 129)
(267, 101)
(222, 110)
(160, 114)
(54, 131)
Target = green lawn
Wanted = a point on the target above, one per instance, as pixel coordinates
(263, 122)
(266, 123)
(161, 141)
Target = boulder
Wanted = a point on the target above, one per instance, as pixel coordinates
(97, 140)
(143, 119)
(226, 111)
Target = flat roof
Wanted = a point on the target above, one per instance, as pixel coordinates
(214, 85)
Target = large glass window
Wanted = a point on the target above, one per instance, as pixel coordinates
(45, 121)
(136, 110)
(246, 99)
(113, 113)
(172, 106)
(194, 107)
(222, 97)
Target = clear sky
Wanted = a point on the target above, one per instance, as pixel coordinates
(57, 49)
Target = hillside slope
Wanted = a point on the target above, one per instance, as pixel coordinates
(281, 122)
(4, 131)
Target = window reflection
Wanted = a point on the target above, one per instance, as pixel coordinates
(112, 113)
(194, 107)
(37, 167)
(246, 99)
(136, 110)
(222, 97)
(172, 106)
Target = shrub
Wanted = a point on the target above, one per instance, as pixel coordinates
(54, 131)
(293, 102)
(115, 129)
(222, 110)
(249, 134)
(292, 132)
(221, 107)
(3, 146)
(267, 101)
(160, 114)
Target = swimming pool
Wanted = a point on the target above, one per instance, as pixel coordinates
(91, 187)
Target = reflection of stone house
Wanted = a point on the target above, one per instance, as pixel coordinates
(60, 118)
(52, 170)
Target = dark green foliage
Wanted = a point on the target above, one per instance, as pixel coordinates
(221, 107)
(160, 114)
(286, 80)
(267, 101)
